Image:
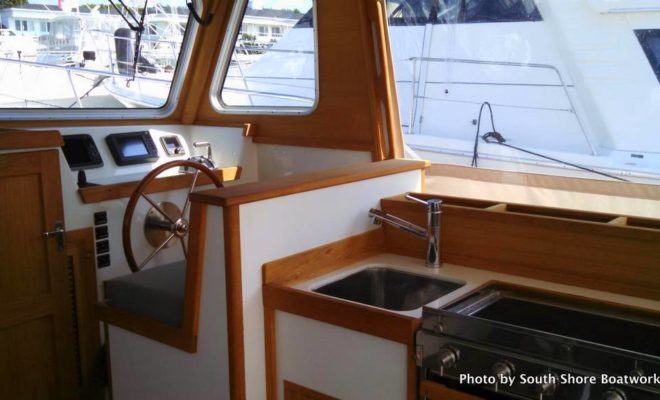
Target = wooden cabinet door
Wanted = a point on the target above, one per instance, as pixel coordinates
(36, 340)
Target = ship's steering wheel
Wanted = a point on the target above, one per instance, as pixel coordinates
(165, 223)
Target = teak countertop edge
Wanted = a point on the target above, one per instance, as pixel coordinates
(255, 191)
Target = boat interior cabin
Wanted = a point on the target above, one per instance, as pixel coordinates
(247, 199)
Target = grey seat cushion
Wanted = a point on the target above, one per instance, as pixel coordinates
(156, 292)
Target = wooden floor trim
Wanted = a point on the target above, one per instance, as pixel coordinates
(250, 192)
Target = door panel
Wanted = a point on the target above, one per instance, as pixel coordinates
(36, 341)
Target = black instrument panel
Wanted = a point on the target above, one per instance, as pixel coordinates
(81, 152)
(132, 148)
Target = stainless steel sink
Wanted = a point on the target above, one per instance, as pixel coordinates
(389, 288)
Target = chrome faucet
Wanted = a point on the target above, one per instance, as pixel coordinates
(431, 233)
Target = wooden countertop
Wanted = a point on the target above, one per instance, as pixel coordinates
(256, 191)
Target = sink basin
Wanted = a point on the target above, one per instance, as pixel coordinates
(389, 288)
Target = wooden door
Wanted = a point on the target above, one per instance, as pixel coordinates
(36, 340)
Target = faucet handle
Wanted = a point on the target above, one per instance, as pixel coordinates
(413, 198)
(432, 204)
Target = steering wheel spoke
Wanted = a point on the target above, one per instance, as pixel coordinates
(171, 226)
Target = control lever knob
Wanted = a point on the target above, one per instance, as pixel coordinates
(614, 394)
(502, 369)
(547, 385)
(447, 357)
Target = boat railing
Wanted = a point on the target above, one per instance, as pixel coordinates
(70, 70)
(561, 84)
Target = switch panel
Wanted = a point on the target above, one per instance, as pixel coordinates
(100, 218)
(101, 232)
(103, 260)
(102, 246)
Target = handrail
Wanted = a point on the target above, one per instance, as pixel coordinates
(82, 70)
(551, 67)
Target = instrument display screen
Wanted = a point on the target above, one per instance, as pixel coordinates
(132, 148)
(81, 152)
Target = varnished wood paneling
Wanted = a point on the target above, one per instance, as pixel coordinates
(293, 391)
(95, 194)
(255, 191)
(36, 334)
(575, 248)
(13, 140)
(323, 259)
(345, 117)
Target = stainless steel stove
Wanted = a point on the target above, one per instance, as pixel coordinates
(505, 341)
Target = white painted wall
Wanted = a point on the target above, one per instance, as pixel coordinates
(339, 362)
(143, 369)
(275, 228)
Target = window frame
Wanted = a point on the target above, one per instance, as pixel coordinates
(224, 60)
(69, 114)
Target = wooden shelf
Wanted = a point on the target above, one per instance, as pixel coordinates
(257, 191)
(96, 194)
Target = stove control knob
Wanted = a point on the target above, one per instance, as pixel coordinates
(547, 385)
(502, 369)
(613, 394)
(447, 357)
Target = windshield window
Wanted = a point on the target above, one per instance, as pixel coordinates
(549, 87)
(272, 67)
(66, 55)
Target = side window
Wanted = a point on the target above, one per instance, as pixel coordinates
(422, 12)
(271, 64)
(91, 58)
(650, 41)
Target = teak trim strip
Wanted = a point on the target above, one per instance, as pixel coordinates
(256, 191)
(323, 259)
(184, 337)
(96, 194)
(233, 279)
(16, 140)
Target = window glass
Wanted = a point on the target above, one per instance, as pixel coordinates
(273, 62)
(650, 41)
(75, 56)
(566, 88)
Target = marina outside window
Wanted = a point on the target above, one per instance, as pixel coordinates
(564, 85)
(271, 68)
(84, 58)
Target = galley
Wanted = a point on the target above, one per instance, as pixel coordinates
(330, 199)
